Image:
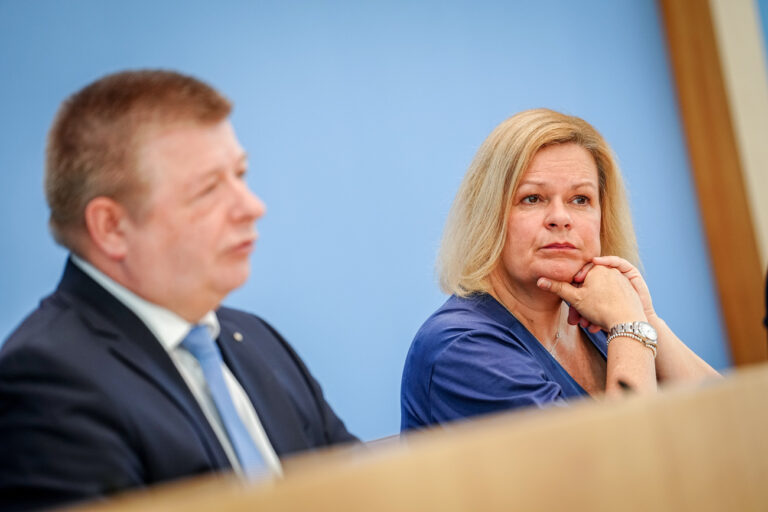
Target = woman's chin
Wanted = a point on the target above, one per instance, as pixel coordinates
(563, 272)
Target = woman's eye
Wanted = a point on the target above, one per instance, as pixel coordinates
(581, 200)
(532, 199)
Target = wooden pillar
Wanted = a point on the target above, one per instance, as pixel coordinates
(717, 171)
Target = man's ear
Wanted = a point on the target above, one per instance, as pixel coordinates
(105, 221)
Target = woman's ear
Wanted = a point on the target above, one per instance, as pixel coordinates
(104, 220)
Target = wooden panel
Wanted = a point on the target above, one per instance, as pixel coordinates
(741, 48)
(693, 448)
(718, 176)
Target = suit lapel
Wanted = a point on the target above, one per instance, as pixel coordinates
(269, 399)
(131, 342)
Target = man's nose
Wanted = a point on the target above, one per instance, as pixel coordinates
(247, 204)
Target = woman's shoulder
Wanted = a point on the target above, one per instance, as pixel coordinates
(474, 317)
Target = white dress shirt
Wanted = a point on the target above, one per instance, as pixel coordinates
(170, 329)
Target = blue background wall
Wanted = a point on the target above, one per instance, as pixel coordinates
(762, 9)
(360, 119)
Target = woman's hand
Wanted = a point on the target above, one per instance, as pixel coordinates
(634, 276)
(629, 271)
(674, 361)
(606, 296)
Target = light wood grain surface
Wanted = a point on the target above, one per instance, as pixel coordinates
(690, 448)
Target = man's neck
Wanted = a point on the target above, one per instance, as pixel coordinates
(125, 292)
(190, 308)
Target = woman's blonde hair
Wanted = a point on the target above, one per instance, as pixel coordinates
(476, 228)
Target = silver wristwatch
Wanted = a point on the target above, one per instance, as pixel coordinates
(640, 331)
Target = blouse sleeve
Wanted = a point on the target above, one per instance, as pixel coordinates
(479, 373)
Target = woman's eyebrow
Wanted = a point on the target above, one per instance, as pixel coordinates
(539, 183)
(536, 183)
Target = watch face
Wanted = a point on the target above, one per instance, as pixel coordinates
(647, 331)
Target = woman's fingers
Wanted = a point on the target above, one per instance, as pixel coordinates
(634, 276)
(574, 318)
(619, 264)
(582, 274)
(605, 298)
(573, 315)
(565, 291)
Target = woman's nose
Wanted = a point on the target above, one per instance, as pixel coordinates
(558, 215)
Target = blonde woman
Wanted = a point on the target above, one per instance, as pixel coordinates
(540, 221)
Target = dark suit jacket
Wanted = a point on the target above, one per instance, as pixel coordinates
(91, 403)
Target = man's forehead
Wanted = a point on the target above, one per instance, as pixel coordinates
(151, 130)
(189, 138)
(187, 151)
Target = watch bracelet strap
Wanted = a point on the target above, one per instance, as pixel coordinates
(634, 337)
(624, 327)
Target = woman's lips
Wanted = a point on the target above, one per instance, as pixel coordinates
(559, 246)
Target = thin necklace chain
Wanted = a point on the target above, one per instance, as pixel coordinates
(558, 335)
(551, 350)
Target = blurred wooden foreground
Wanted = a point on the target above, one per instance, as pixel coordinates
(700, 448)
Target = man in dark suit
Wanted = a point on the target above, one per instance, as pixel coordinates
(115, 380)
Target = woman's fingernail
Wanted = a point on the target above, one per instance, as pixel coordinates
(544, 283)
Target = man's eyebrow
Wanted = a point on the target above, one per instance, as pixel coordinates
(242, 160)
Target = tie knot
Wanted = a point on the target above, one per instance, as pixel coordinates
(200, 344)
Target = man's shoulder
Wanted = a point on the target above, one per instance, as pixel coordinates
(44, 326)
(52, 352)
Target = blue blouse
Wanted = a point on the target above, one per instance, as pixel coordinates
(473, 357)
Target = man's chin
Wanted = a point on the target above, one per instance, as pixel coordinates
(234, 278)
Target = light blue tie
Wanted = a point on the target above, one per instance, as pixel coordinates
(200, 344)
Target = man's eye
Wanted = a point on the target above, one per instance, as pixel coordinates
(208, 189)
(532, 199)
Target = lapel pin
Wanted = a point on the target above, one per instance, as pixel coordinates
(237, 336)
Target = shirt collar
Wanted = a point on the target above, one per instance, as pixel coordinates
(168, 327)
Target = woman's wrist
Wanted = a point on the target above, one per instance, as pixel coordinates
(627, 317)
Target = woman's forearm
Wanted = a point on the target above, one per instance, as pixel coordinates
(629, 368)
(675, 361)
